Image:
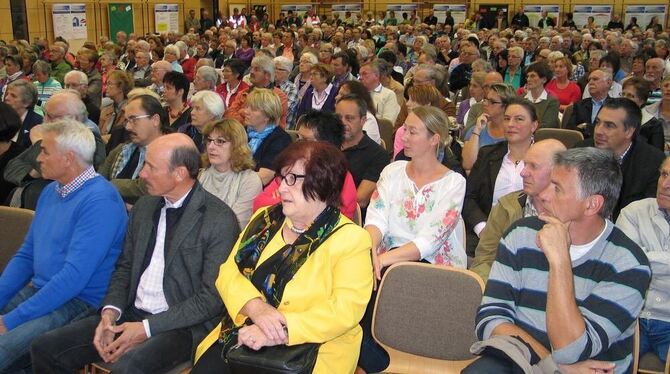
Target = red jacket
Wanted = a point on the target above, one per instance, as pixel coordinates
(188, 65)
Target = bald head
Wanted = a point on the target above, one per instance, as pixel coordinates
(538, 162)
(65, 104)
(171, 166)
(492, 78)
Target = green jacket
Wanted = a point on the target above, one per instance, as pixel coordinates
(508, 210)
(59, 70)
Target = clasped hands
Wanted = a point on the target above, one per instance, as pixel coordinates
(268, 329)
(112, 340)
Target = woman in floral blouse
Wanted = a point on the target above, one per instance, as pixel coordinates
(417, 205)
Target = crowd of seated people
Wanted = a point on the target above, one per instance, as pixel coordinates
(181, 183)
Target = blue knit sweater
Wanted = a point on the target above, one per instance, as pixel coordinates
(610, 283)
(69, 252)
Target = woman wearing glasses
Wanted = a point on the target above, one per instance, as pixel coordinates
(300, 272)
(230, 175)
(488, 128)
(206, 106)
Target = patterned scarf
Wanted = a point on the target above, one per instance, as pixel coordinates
(125, 155)
(272, 275)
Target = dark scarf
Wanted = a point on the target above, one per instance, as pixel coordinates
(271, 277)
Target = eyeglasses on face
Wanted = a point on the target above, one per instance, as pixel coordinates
(133, 119)
(491, 102)
(219, 142)
(289, 178)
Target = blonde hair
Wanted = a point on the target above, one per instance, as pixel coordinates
(139, 91)
(436, 122)
(232, 131)
(267, 102)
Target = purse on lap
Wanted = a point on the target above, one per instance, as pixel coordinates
(279, 359)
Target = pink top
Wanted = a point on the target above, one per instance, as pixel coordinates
(270, 196)
(566, 96)
(398, 144)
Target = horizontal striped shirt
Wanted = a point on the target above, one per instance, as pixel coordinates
(610, 283)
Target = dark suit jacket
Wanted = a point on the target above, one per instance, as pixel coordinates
(640, 173)
(581, 113)
(547, 112)
(550, 22)
(203, 238)
(479, 187)
(32, 119)
(652, 131)
(271, 147)
(145, 81)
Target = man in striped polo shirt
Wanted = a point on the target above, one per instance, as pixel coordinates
(569, 284)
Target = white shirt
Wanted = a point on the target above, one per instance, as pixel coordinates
(371, 128)
(319, 99)
(386, 103)
(508, 179)
(542, 97)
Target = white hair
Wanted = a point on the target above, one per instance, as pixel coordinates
(208, 74)
(73, 136)
(181, 45)
(283, 62)
(212, 101)
(83, 78)
(311, 57)
(171, 48)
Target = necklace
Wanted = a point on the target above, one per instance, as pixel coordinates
(295, 230)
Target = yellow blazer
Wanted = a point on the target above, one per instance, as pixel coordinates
(323, 303)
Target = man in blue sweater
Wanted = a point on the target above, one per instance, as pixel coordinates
(62, 270)
(568, 284)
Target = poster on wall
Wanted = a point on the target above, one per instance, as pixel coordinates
(166, 18)
(399, 9)
(341, 9)
(120, 19)
(298, 9)
(458, 12)
(600, 13)
(644, 14)
(70, 21)
(534, 13)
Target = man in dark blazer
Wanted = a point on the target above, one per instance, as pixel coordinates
(583, 113)
(616, 129)
(162, 299)
(545, 21)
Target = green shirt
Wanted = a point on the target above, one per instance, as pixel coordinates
(59, 70)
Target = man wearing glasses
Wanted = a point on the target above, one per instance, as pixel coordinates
(460, 76)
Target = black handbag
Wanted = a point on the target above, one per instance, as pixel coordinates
(279, 359)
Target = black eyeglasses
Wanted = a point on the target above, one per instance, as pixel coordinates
(289, 178)
(219, 142)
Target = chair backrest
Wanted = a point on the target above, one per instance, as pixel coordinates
(386, 132)
(567, 113)
(427, 310)
(568, 137)
(294, 134)
(358, 216)
(14, 224)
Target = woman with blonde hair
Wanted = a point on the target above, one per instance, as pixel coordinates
(418, 96)
(230, 175)
(266, 138)
(561, 87)
(476, 92)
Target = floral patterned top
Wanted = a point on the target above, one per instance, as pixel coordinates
(428, 216)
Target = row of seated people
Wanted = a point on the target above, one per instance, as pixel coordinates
(413, 216)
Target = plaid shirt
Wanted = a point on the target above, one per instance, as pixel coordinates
(77, 182)
(291, 92)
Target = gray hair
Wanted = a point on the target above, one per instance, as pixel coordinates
(265, 63)
(171, 48)
(598, 173)
(73, 136)
(28, 92)
(83, 78)
(188, 157)
(181, 45)
(74, 106)
(42, 67)
(311, 57)
(283, 63)
(208, 74)
(144, 46)
(212, 101)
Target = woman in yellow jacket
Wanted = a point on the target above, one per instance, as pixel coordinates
(303, 257)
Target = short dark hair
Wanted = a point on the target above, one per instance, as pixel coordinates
(10, 122)
(188, 157)
(179, 81)
(327, 126)
(613, 59)
(525, 103)
(360, 103)
(541, 68)
(15, 59)
(151, 106)
(237, 66)
(325, 169)
(346, 60)
(633, 112)
(357, 88)
(641, 86)
(388, 56)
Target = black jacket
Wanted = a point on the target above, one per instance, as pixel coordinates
(520, 21)
(581, 113)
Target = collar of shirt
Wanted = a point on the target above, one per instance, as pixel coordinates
(529, 209)
(178, 203)
(623, 155)
(76, 183)
(543, 96)
(378, 89)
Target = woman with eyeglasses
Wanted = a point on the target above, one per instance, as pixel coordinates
(488, 128)
(497, 171)
(112, 117)
(302, 80)
(233, 85)
(513, 74)
(230, 175)
(317, 126)
(171, 55)
(300, 271)
(206, 106)
(321, 93)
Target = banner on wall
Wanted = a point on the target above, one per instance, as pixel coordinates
(645, 13)
(70, 21)
(341, 9)
(120, 19)
(399, 9)
(600, 13)
(458, 12)
(298, 9)
(534, 13)
(167, 18)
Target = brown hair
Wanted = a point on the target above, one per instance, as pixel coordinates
(233, 131)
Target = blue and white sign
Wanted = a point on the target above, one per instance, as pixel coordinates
(644, 14)
(458, 12)
(167, 18)
(600, 13)
(69, 21)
